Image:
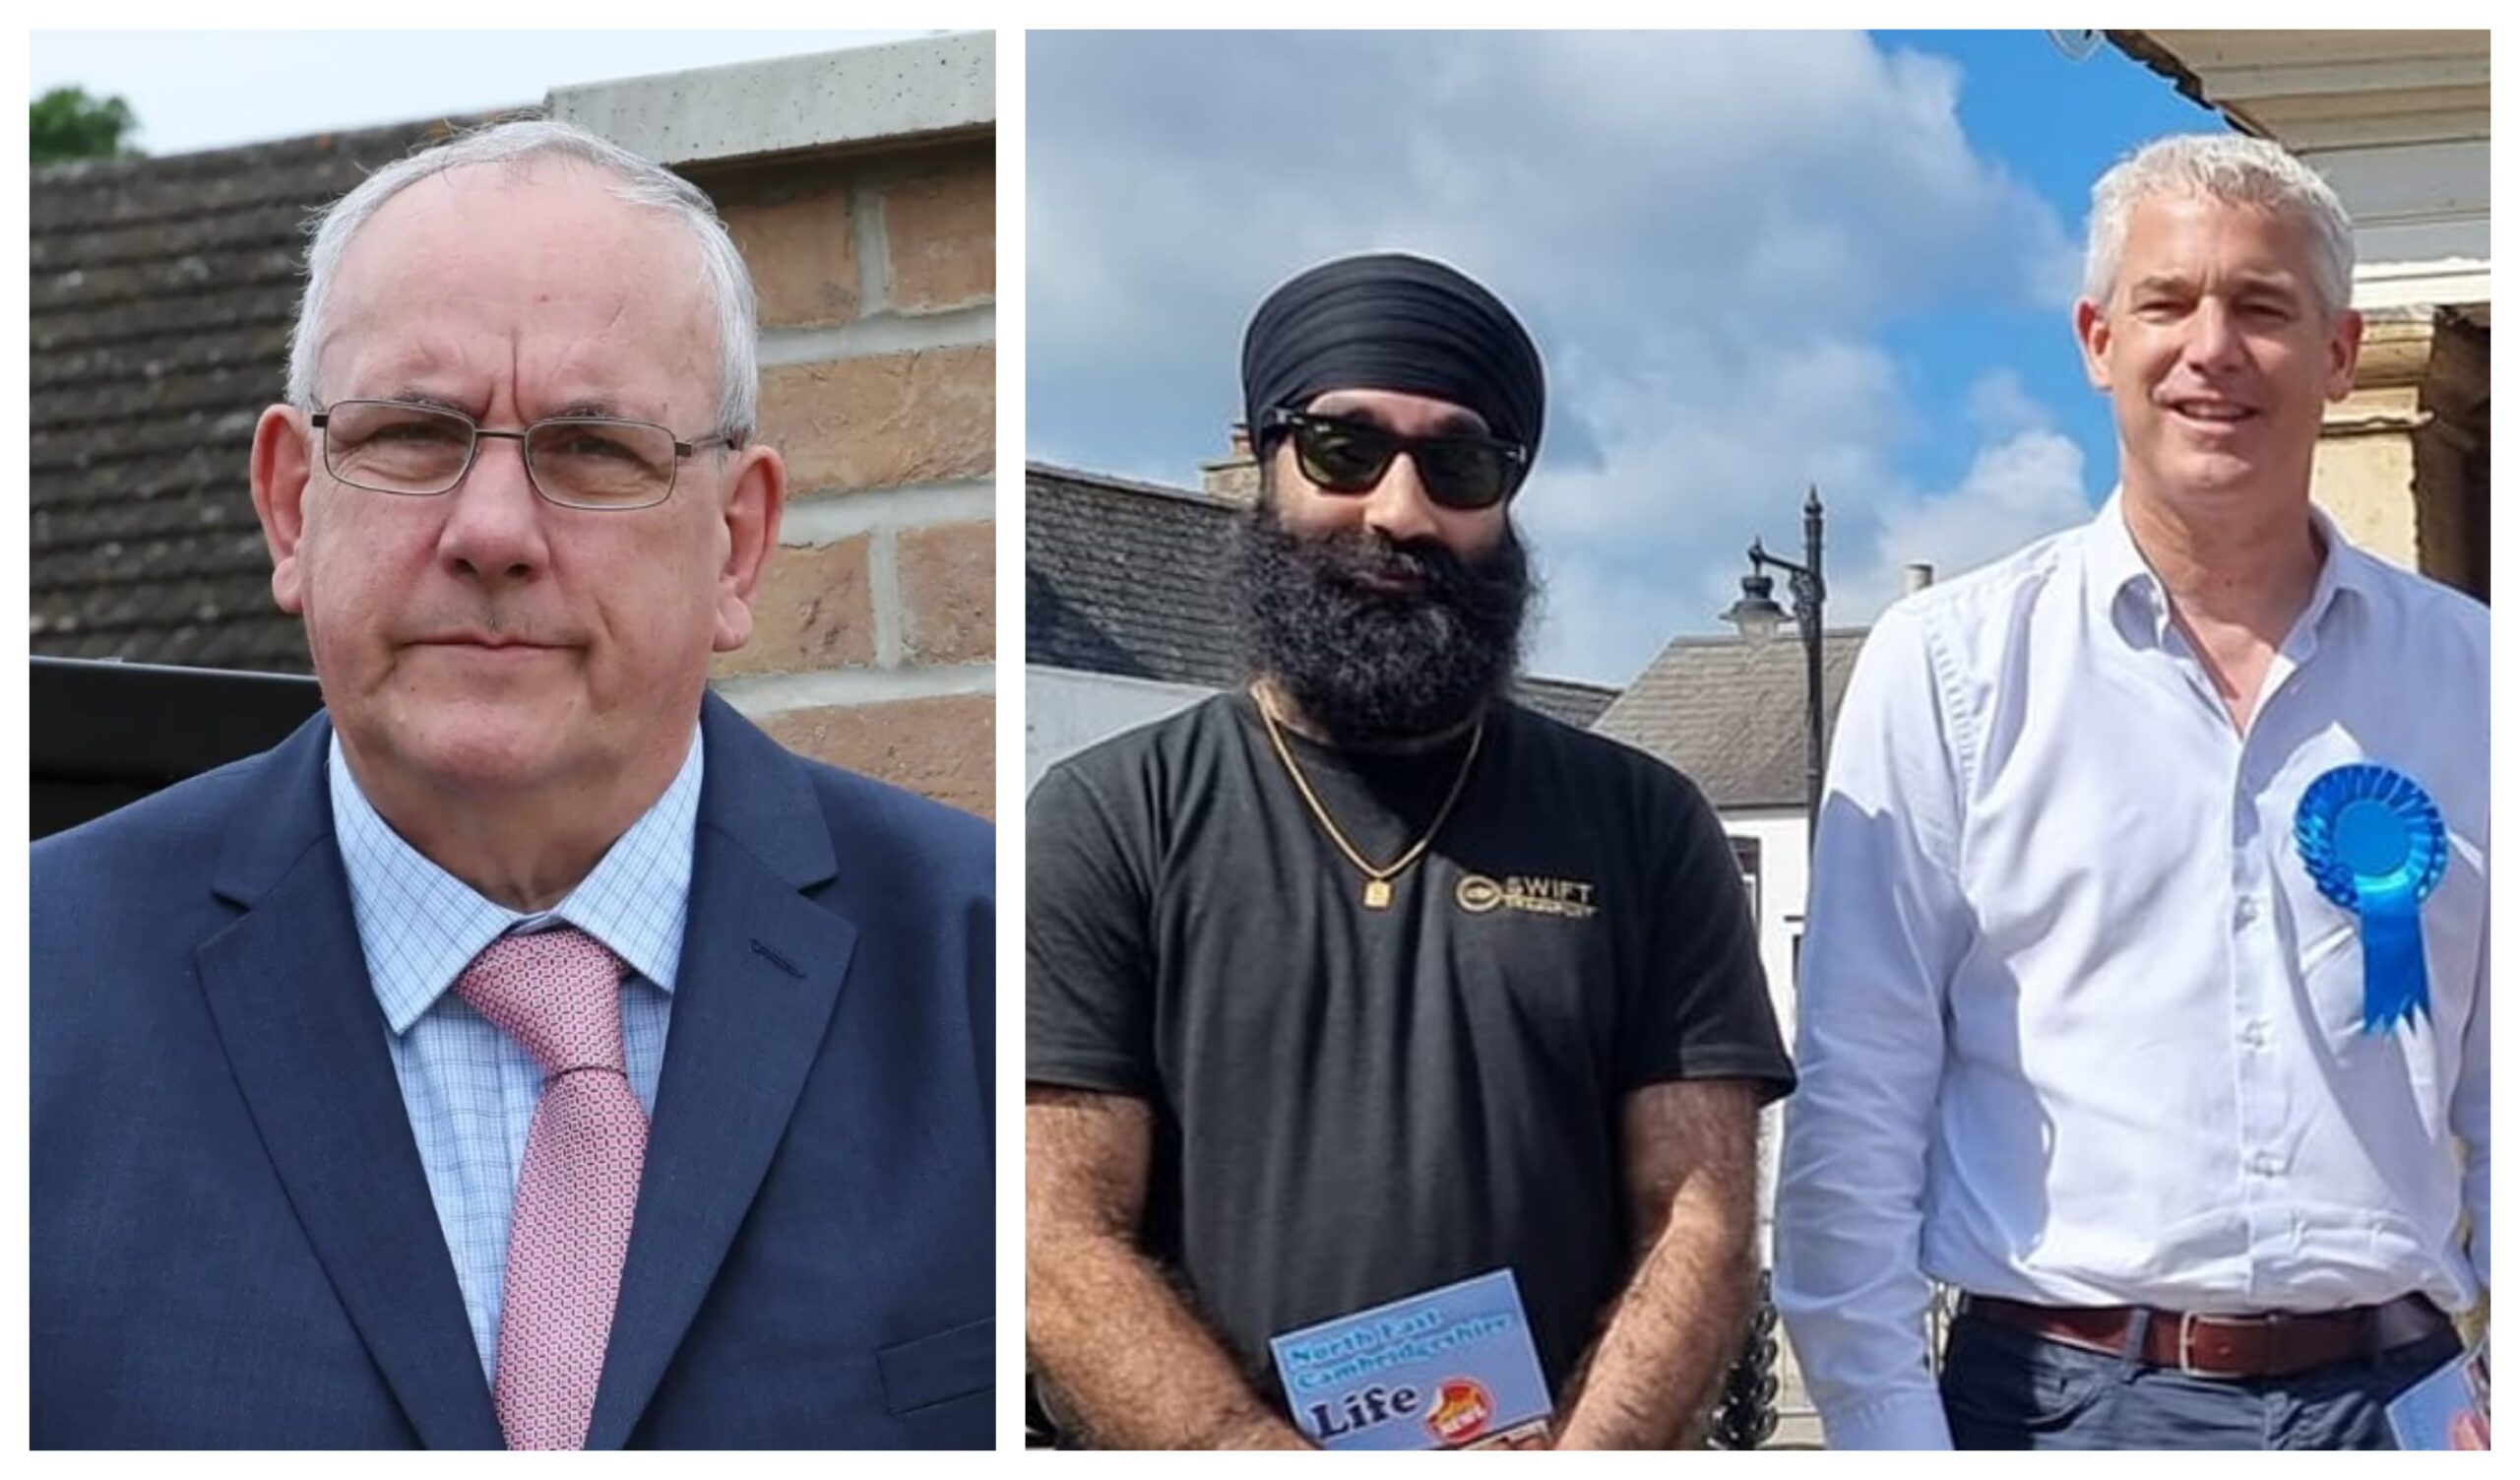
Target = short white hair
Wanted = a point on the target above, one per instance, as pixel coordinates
(518, 143)
(2232, 169)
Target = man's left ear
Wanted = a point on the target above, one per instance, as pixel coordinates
(754, 499)
(2344, 352)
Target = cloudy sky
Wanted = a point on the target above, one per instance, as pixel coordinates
(1753, 262)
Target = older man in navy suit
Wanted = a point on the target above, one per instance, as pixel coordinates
(528, 1051)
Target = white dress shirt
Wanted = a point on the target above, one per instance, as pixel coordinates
(469, 1088)
(2076, 1025)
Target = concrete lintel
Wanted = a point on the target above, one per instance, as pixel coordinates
(812, 519)
(759, 694)
(864, 95)
(2452, 281)
(881, 334)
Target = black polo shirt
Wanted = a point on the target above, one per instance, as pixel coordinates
(1351, 1104)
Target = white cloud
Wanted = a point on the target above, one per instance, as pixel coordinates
(1998, 403)
(2027, 486)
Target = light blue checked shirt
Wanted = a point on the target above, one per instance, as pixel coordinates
(469, 1088)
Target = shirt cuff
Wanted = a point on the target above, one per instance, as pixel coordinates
(1908, 1419)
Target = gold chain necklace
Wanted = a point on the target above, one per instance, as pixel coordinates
(1377, 879)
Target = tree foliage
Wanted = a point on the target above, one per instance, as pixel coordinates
(68, 124)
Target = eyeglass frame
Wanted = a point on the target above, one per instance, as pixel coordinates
(682, 448)
(1286, 421)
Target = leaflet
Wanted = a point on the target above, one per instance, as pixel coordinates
(2448, 1409)
(1441, 1369)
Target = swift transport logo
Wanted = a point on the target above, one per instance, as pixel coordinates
(1569, 898)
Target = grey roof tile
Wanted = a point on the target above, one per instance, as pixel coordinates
(1730, 713)
(1128, 578)
(160, 295)
(1567, 700)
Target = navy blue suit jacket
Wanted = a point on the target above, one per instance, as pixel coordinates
(233, 1238)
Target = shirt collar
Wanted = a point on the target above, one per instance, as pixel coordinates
(2131, 598)
(2346, 568)
(420, 926)
(2112, 565)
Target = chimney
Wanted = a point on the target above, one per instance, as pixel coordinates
(1235, 477)
(1917, 575)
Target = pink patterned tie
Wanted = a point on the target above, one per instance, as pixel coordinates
(558, 993)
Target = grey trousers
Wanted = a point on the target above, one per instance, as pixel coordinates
(2007, 1389)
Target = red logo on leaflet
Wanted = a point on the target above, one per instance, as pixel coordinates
(1461, 1411)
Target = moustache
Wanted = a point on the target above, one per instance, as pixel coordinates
(1374, 562)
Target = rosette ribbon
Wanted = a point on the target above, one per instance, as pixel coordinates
(2373, 843)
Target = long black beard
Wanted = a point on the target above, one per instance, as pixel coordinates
(1369, 666)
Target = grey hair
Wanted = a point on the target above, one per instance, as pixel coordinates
(517, 144)
(2232, 169)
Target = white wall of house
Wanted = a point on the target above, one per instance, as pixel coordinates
(1781, 885)
(1065, 711)
(1784, 883)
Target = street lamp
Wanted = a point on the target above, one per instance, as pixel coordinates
(1759, 617)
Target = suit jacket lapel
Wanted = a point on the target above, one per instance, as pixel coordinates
(761, 969)
(288, 991)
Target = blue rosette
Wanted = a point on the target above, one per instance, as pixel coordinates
(2373, 843)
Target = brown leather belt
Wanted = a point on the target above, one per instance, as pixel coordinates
(2272, 1345)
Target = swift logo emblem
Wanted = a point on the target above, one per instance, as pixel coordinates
(1570, 898)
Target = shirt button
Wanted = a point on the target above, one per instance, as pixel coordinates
(2264, 1165)
(2246, 910)
(2254, 1035)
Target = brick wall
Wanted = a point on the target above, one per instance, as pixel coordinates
(872, 241)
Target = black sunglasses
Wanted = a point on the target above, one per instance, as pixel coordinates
(1459, 469)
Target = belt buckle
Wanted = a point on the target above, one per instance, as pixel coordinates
(2187, 1322)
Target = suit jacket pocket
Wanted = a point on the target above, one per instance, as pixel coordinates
(950, 1364)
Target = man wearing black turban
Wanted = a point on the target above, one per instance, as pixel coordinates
(1366, 980)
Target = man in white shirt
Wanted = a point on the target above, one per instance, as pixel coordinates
(2144, 998)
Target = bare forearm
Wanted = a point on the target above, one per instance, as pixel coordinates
(1127, 1360)
(1671, 1335)
(1691, 1165)
(1120, 1352)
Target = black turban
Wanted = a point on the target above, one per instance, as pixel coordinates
(1390, 322)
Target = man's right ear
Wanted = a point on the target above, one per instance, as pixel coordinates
(2093, 333)
(280, 471)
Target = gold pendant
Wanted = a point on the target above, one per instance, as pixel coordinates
(1377, 894)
